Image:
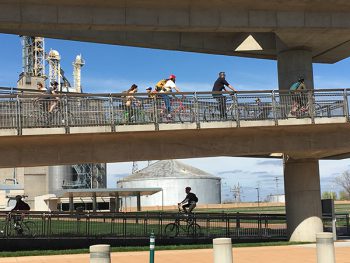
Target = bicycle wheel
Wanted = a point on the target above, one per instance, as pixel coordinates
(29, 229)
(193, 230)
(171, 230)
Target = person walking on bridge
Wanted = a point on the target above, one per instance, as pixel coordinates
(219, 86)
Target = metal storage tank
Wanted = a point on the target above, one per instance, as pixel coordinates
(57, 176)
(172, 176)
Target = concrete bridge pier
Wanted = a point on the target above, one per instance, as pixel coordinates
(303, 199)
(301, 177)
(293, 64)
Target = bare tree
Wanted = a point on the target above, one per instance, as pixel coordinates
(344, 181)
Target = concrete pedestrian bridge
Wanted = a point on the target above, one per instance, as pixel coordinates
(96, 128)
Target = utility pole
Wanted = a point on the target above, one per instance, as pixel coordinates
(135, 167)
(277, 179)
(237, 192)
(258, 192)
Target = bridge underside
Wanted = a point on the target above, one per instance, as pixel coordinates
(212, 26)
(298, 142)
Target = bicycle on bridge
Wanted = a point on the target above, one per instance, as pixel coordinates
(190, 227)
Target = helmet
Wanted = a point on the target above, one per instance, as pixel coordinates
(222, 74)
(188, 188)
(55, 83)
(172, 76)
(18, 197)
(301, 79)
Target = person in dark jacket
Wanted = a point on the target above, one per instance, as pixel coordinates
(20, 205)
(190, 201)
(220, 85)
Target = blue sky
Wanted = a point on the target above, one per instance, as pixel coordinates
(112, 68)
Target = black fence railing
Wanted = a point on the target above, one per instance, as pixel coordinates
(342, 222)
(165, 225)
(140, 225)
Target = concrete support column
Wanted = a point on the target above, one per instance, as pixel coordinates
(293, 64)
(94, 202)
(303, 199)
(71, 203)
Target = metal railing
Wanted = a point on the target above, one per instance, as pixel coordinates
(140, 225)
(19, 111)
(238, 226)
(342, 224)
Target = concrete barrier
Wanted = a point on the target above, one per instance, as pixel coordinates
(325, 248)
(222, 250)
(100, 254)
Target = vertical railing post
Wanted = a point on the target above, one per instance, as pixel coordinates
(227, 225)
(196, 111)
(19, 116)
(155, 112)
(346, 105)
(311, 105)
(238, 224)
(236, 109)
(152, 242)
(66, 115)
(274, 107)
(111, 113)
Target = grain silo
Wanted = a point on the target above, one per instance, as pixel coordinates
(172, 176)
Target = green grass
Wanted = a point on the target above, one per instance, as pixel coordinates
(128, 249)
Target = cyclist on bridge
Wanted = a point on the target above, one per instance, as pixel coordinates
(219, 85)
(191, 199)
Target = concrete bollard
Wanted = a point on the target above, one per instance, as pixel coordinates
(100, 254)
(325, 248)
(222, 250)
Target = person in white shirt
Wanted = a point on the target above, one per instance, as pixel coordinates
(168, 87)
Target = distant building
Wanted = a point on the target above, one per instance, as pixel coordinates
(276, 198)
(172, 176)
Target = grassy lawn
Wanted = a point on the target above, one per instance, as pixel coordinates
(126, 249)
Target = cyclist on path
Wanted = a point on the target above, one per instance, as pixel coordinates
(191, 199)
(20, 204)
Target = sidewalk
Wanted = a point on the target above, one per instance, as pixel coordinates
(285, 254)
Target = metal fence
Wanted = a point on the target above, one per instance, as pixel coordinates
(140, 225)
(18, 111)
(342, 224)
(165, 225)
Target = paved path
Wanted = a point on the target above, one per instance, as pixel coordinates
(285, 254)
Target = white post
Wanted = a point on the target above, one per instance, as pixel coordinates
(100, 254)
(222, 250)
(325, 248)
